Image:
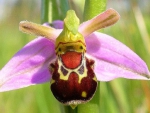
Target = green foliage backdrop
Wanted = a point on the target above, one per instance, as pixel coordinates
(117, 96)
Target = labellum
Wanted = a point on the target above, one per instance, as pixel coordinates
(73, 80)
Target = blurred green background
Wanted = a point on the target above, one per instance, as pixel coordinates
(117, 96)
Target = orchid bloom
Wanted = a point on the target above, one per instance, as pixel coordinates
(30, 65)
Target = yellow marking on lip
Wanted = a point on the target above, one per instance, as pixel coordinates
(62, 47)
(65, 77)
(84, 94)
(62, 77)
(52, 81)
(81, 76)
(95, 79)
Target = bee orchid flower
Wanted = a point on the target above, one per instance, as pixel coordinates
(105, 57)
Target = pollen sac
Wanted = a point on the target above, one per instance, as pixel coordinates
(73, 80)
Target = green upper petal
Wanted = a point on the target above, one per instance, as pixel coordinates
(72, 22)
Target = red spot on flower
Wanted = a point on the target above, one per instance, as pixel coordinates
(71, 59)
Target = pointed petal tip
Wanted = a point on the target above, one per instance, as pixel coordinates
(148, 75)
(145, 75)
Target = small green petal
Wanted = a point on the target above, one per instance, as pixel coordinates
(72, 21)
(70, 31)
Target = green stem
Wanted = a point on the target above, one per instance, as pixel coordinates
(68, 109)
(44, 11)
(55, 10)
(93, 8)
(59, 12)
(93, 105)
(64, 8)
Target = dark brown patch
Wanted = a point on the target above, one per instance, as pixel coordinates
(69, 90)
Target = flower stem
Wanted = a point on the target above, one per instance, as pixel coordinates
(93, 105)
(68, 109)
(44, 11)
(93, 8)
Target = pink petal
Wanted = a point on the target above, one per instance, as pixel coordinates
(39, 30)
(114, 59)
(29, 66)
(58, 24)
